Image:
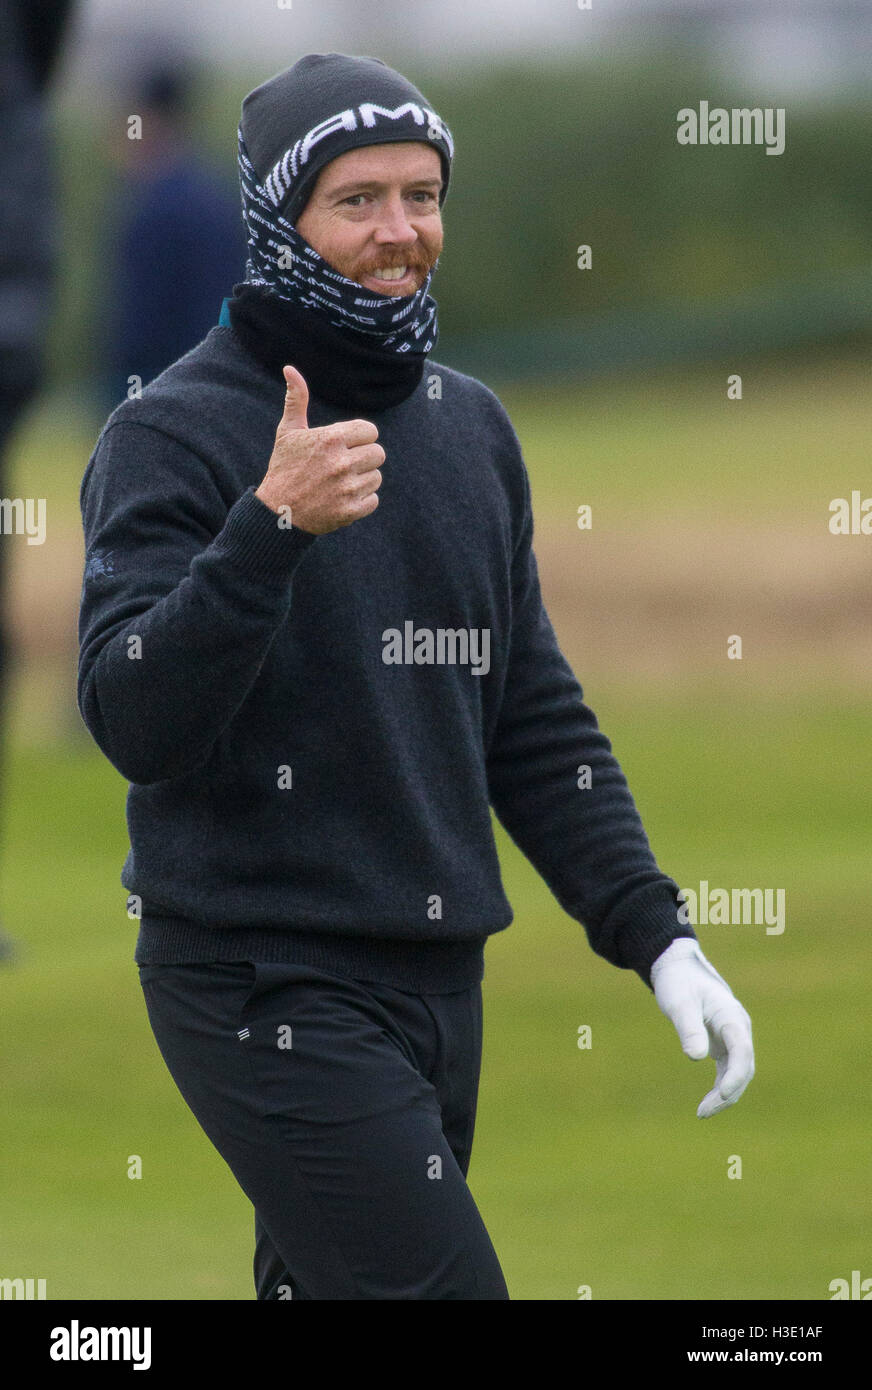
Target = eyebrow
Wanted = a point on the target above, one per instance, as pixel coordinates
(359, 184)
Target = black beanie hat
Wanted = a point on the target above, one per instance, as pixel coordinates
(328, 103)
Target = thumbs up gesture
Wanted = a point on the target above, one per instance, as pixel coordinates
(328, 477)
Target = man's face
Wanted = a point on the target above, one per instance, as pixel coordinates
(377, 208)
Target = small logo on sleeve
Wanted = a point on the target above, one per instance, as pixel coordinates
(99, 563)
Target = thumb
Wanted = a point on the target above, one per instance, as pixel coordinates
(296, 400)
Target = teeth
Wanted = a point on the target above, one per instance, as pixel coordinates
(397, 273)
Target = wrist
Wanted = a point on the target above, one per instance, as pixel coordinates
(679, 949)
(266, 496)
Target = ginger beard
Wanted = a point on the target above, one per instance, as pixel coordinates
(377, 209)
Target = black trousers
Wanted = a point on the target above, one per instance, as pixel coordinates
(345, 1110)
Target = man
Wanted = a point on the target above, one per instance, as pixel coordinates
(312, 638)
(172, 239)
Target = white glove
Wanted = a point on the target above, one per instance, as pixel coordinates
(708, 1017)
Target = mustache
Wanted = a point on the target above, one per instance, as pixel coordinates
(411, 262)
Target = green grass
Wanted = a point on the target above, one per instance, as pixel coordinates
(590, 1166)
(613, 1180)
(671, 442)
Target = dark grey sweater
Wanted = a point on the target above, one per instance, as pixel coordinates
(310, 771)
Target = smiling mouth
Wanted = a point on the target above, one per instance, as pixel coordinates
(392, 282)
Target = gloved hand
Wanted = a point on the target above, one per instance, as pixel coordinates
(708, 1017)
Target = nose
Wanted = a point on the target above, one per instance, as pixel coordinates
(394, 225)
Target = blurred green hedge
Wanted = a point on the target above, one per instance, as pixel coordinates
(548, 159)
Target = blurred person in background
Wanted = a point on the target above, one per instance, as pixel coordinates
(175, 238)
(31, 36)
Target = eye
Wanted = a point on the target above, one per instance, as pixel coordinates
(419, 194)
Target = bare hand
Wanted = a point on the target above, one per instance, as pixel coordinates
(328, 477)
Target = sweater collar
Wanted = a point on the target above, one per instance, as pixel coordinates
(340, 366)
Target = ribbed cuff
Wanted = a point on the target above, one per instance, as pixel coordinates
(259, 542)
(644, 924)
